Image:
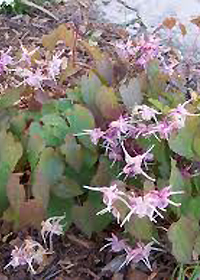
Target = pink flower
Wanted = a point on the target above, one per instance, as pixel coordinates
(110, 196)
(29, 253)
(134, 164)
(146, 50)
(95, 134)
(50, 227)
(26, 55)
(116, 244)
(122, 124)
(179, 115)
(54, 66)
(147, 205)
(163, 128)
(5, 60)
(160, 199)
(34, 79)
(140, 206)
(145, 112)
(140, 253)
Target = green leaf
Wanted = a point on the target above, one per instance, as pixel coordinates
(35, 144)
(76, 155)
(10, 150)
(182, 235)
(140, 228)
(157, 80)
(10, 153)
(179, 183)
(182, 141)
(15, 191)
(40, 187)
(10, 97)
(191, 207)
(59, 207)
(55, 129)
(72, 152)
(66, 188)
(107, 103)
(18, 125)
(159, 105)
(4, 176)
(196, 142)
(89, 86)
(80, 118)
(51, 165)
(85, 217)
(131, 93)
(103, 174)
(196, 249)
(48, 172)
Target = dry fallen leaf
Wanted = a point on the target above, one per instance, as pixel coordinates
(64, 32)
(196, 21)
(183, 29)
(169, 22)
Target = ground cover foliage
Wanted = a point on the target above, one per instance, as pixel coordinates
(85, 128)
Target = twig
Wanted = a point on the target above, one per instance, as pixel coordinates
(33, 5)
(127, 6)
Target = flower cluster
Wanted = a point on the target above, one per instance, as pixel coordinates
(32, 252)
(140, 253)
(143, 122)
(27, 70)
(147, 205)
(142, 50)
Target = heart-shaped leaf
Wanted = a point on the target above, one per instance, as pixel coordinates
(85, 216)
(182, 235)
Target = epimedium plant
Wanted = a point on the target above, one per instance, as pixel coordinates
(143, 150)
(44, 162)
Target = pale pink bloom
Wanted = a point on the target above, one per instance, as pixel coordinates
(125, 50)
(116, 244)
(95, 134)
(110, 196)
(50, 227)
(5, 60)
(145, 112)
(140, 206)
(146, 50)
(121, 125)
(160, 199)
(147, 205)
(140, 253)
(29, 253)
(163, 128)
(134, 164)
(54, 67)
(26, 55)
(34, 79)
(179, 115)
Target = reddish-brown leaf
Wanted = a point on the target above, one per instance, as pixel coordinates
(169, 22)
(63, 33)
(183, 29)
(31, 213)
(196, 21)
(15, 191)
